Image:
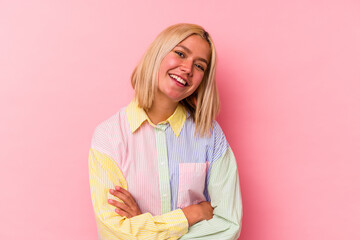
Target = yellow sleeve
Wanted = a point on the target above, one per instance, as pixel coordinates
(105, 174)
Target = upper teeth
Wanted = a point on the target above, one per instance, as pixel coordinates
(179, 79)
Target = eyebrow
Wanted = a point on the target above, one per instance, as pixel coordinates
(189, 51)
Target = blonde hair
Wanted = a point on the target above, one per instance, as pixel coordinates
(203, 105)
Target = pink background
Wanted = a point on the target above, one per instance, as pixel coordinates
(288, 77)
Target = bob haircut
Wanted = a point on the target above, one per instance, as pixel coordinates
(203, 105)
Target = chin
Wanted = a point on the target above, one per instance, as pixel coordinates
(175, 98)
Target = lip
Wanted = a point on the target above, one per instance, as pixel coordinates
(183, 78)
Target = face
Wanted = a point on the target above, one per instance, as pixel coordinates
(182, 69)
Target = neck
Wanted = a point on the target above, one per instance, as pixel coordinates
(161, 110)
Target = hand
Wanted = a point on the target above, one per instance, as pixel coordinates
(127, 209)
(198, 212)
(207, 210)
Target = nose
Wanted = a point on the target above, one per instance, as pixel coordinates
(186, 66)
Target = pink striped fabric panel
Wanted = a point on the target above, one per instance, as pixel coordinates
(135, 154)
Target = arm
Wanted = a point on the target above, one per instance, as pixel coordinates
(127, 206)
(105, 174)
(224, 191)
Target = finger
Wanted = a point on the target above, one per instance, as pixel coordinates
(122, 209)
(122, 213)
(118, 194)
(135, 210)
(128, 195)
(124, 195)
(120, 205)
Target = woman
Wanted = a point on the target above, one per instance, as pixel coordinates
(161, 167)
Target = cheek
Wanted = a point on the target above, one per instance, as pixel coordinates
(198, 78)
(169, 63)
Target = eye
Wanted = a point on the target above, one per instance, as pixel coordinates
(182, 55)
(200, 67)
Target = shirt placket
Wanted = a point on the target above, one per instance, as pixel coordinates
(163, 166)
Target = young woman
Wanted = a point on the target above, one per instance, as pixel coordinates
(161, 168)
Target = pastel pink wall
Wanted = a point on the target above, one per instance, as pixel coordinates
(288, 76)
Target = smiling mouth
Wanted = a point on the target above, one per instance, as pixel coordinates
(178, 79)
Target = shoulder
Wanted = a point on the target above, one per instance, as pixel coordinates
(107, 133)
(106, 127)
(218, 141)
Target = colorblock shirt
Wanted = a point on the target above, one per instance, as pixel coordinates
(165, 167)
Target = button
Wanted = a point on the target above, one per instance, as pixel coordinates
(165, 195)
(162, 127)
(162, 163)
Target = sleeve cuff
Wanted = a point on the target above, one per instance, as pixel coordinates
(178, 224)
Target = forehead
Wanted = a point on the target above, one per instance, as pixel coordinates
(197, 46)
